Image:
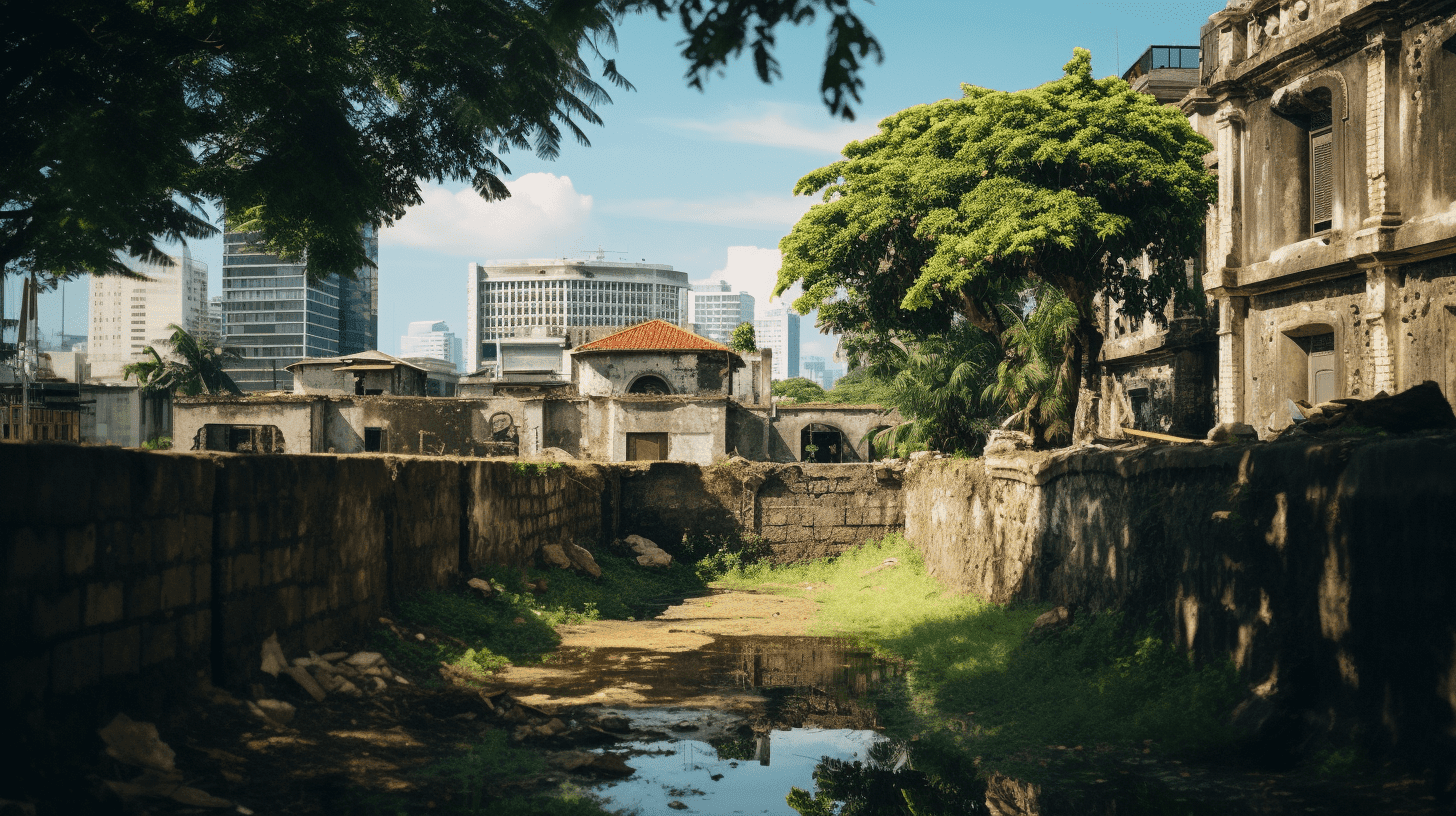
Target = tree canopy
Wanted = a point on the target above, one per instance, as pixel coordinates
(123, 117)
(955, 207)
(798, 389)
(191, 367)
(744, 339)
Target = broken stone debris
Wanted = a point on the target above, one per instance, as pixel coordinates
(588, 762)
(276, 710)
(1004, 441)
(1230, 432)
(320, 675)
(482, 587)
(1052, 619)
(554, 556)
(582, 560)
(138, 744)
(677, 805)
(648, 553)
(1418, 408)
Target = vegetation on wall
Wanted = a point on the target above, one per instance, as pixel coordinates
(798, 389)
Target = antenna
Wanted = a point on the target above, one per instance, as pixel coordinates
(597, 254)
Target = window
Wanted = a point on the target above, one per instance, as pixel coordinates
(1321, 171)
(1322, 368)
(373, 440)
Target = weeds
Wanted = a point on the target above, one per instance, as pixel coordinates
(536, 468)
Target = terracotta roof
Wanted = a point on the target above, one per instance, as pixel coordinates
(654, 335)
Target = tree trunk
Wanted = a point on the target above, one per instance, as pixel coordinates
(1088, 399)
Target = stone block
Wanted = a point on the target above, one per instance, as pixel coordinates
(55, 614)
(104, 603)
(158, 642)
(121, 651)
(194, 631)
(158, 486)
(176, 588)
(197, 536)
(76, 663)
(79, 549)
(243, 571)
(316, 600)
(202, 582)
(278, 565)
(143, 596)
(34, 557)
(169, 538)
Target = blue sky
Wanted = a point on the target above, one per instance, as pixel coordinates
(703, 180)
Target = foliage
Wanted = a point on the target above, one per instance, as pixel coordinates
(1034, 378)
(886, 785)
(954, 207)
(859, 387)
(190, 368)
(940, 385)
(1104, 680)
(315, 120)
(536, 468)
(744, 340)
(626, 591)
(798, 389)
(158, 443)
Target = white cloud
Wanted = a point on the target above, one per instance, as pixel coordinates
(543, 214)
(775, 127)
(755, 270)
(729, 211)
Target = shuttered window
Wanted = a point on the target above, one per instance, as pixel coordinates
(1321, 174)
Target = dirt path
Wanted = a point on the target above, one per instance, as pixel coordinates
(666, 661)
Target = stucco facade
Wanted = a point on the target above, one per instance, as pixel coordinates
(1329, 251)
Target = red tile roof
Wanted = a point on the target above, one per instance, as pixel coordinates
(654, 335)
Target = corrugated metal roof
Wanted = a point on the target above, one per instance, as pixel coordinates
(363, 357)
(654, 335)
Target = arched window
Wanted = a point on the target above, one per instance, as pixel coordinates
(649, 384)
(1321, 164)
(821, 443)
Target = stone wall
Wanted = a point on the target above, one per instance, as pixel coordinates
(1323, 569)
(801, 511)
(128, 574)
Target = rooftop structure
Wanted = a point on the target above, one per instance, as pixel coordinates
(432, 338)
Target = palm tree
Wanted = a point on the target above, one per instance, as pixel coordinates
(939, 384)
(191, 369)
(1034, 378)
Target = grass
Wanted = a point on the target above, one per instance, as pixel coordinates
(978, 680)
(474, 637)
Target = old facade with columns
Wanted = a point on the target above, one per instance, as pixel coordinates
(1332, 248)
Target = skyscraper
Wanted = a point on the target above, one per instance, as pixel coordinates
(715, 310)
(274, 316)
(127, 314)
(551, 298)
(778, 329)
(432, 338)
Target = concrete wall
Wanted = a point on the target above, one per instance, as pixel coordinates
(607, 374)
(1324, 570)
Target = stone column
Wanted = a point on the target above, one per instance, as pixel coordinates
(1382, 65)
(1230, 122)
(1382, 296)
(1232, 311)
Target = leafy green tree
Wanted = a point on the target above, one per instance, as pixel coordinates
(798, 389)
(744, 340)
(954, 207)
(1034, 377)
(859, 387)
(190, 368)
(939, 385)
(311, 120)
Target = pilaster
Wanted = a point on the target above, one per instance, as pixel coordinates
(1382, 63)
(1232, 313)
(1382, 294)
(1230, 122)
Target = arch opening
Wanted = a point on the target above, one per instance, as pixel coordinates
(821, 443)
(649, 384)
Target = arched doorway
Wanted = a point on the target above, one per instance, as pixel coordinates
(649, 384)
(821, 443)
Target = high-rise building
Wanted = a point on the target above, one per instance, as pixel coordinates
(129, 314)
(714, 310)
(565, 298)
(211, 326)
(274, 316)
(432, 338)
(778, 329)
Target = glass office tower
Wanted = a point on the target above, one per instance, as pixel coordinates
(273, 316)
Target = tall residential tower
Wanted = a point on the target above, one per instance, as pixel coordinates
(778, 329)
(715, 310)
(128, 314)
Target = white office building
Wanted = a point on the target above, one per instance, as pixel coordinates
(127, 314)
(778, 329)
(715, 310)
(563, 300)
(432, 338)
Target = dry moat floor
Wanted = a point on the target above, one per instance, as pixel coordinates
(722, 703)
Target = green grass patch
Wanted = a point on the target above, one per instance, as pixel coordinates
(976, 677)
(625, 591)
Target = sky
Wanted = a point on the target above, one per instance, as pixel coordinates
(703, 181)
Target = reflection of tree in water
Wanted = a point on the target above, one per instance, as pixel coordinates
(739, 747)
(887, 785)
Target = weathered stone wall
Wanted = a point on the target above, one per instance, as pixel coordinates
(801, 511)
(1324, 570)
(128, 573)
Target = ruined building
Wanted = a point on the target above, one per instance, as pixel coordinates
(1330, 248)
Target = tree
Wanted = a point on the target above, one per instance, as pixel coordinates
(1034, 377)
(939, 385)
(954, 207)
(798, 389)
(744, 340)
(189, 369)
(314, 119)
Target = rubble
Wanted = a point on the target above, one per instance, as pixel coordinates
(1004, 441)
(137, 744)
(1418, 408)
(582, 560)
(482, 587)
(276, 710)
(1228, 432)
(554, 556)
(648, 553)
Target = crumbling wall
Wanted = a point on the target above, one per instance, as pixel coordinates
(1323, 569)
